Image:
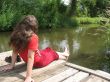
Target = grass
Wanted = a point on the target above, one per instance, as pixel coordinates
(94, 20)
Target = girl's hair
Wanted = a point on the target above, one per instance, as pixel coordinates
(22, 32)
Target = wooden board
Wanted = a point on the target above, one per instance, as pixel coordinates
(47, 74)
(93, 78)
(78, 77)
(3, 55)
(90, 71)
(61, 76)
(18, 74)
(57, 71)
(103, 73)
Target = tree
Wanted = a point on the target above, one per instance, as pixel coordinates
(92, 8)
(72, 8)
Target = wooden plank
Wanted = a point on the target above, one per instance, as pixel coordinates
(3, 55)
(87, 70)
(61, 76)
(77, 77)
(16, 70)
(47, 74)
(103, 73)
(93, 78)
(21, 75)
(18, 66)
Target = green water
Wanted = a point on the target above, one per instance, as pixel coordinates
(87, 46)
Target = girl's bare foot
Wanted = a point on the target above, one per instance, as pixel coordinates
(66, 53)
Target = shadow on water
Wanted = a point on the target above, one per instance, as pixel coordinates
(86, 45)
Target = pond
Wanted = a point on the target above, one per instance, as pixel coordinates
(87, 46)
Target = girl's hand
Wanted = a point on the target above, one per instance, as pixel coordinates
(29, 79)
(6, 67)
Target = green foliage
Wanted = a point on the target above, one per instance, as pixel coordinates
(92, 8)
(102, 6)
(6, 17)
(84, 7)
(88, 20)
(50, 13)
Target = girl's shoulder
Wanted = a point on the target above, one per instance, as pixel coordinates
(33, 42)
(34, 36)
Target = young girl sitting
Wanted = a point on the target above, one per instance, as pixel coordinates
(24, 41)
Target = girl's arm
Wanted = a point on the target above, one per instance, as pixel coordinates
(29, 65)
(14, 56)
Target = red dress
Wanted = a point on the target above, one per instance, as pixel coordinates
(46, 56)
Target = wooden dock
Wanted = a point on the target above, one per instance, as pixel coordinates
(57, 71)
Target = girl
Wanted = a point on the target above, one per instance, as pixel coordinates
(24, 42)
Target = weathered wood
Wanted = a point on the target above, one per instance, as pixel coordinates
(93, 78)
(14, 76)
(47, 74)
(78, 77)
(87, 70)
(57, 71)
(62, 76)
(18, 66)
(103, 73)
(3, 55)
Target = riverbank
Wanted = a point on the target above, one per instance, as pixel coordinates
(76, 21)
(94, 20)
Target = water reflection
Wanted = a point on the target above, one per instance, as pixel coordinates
(63, 43)
(76, 47)
(44, 43)
(4, 39)
(86, 46)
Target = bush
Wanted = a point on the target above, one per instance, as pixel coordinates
(6, 18)
(50, 13)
